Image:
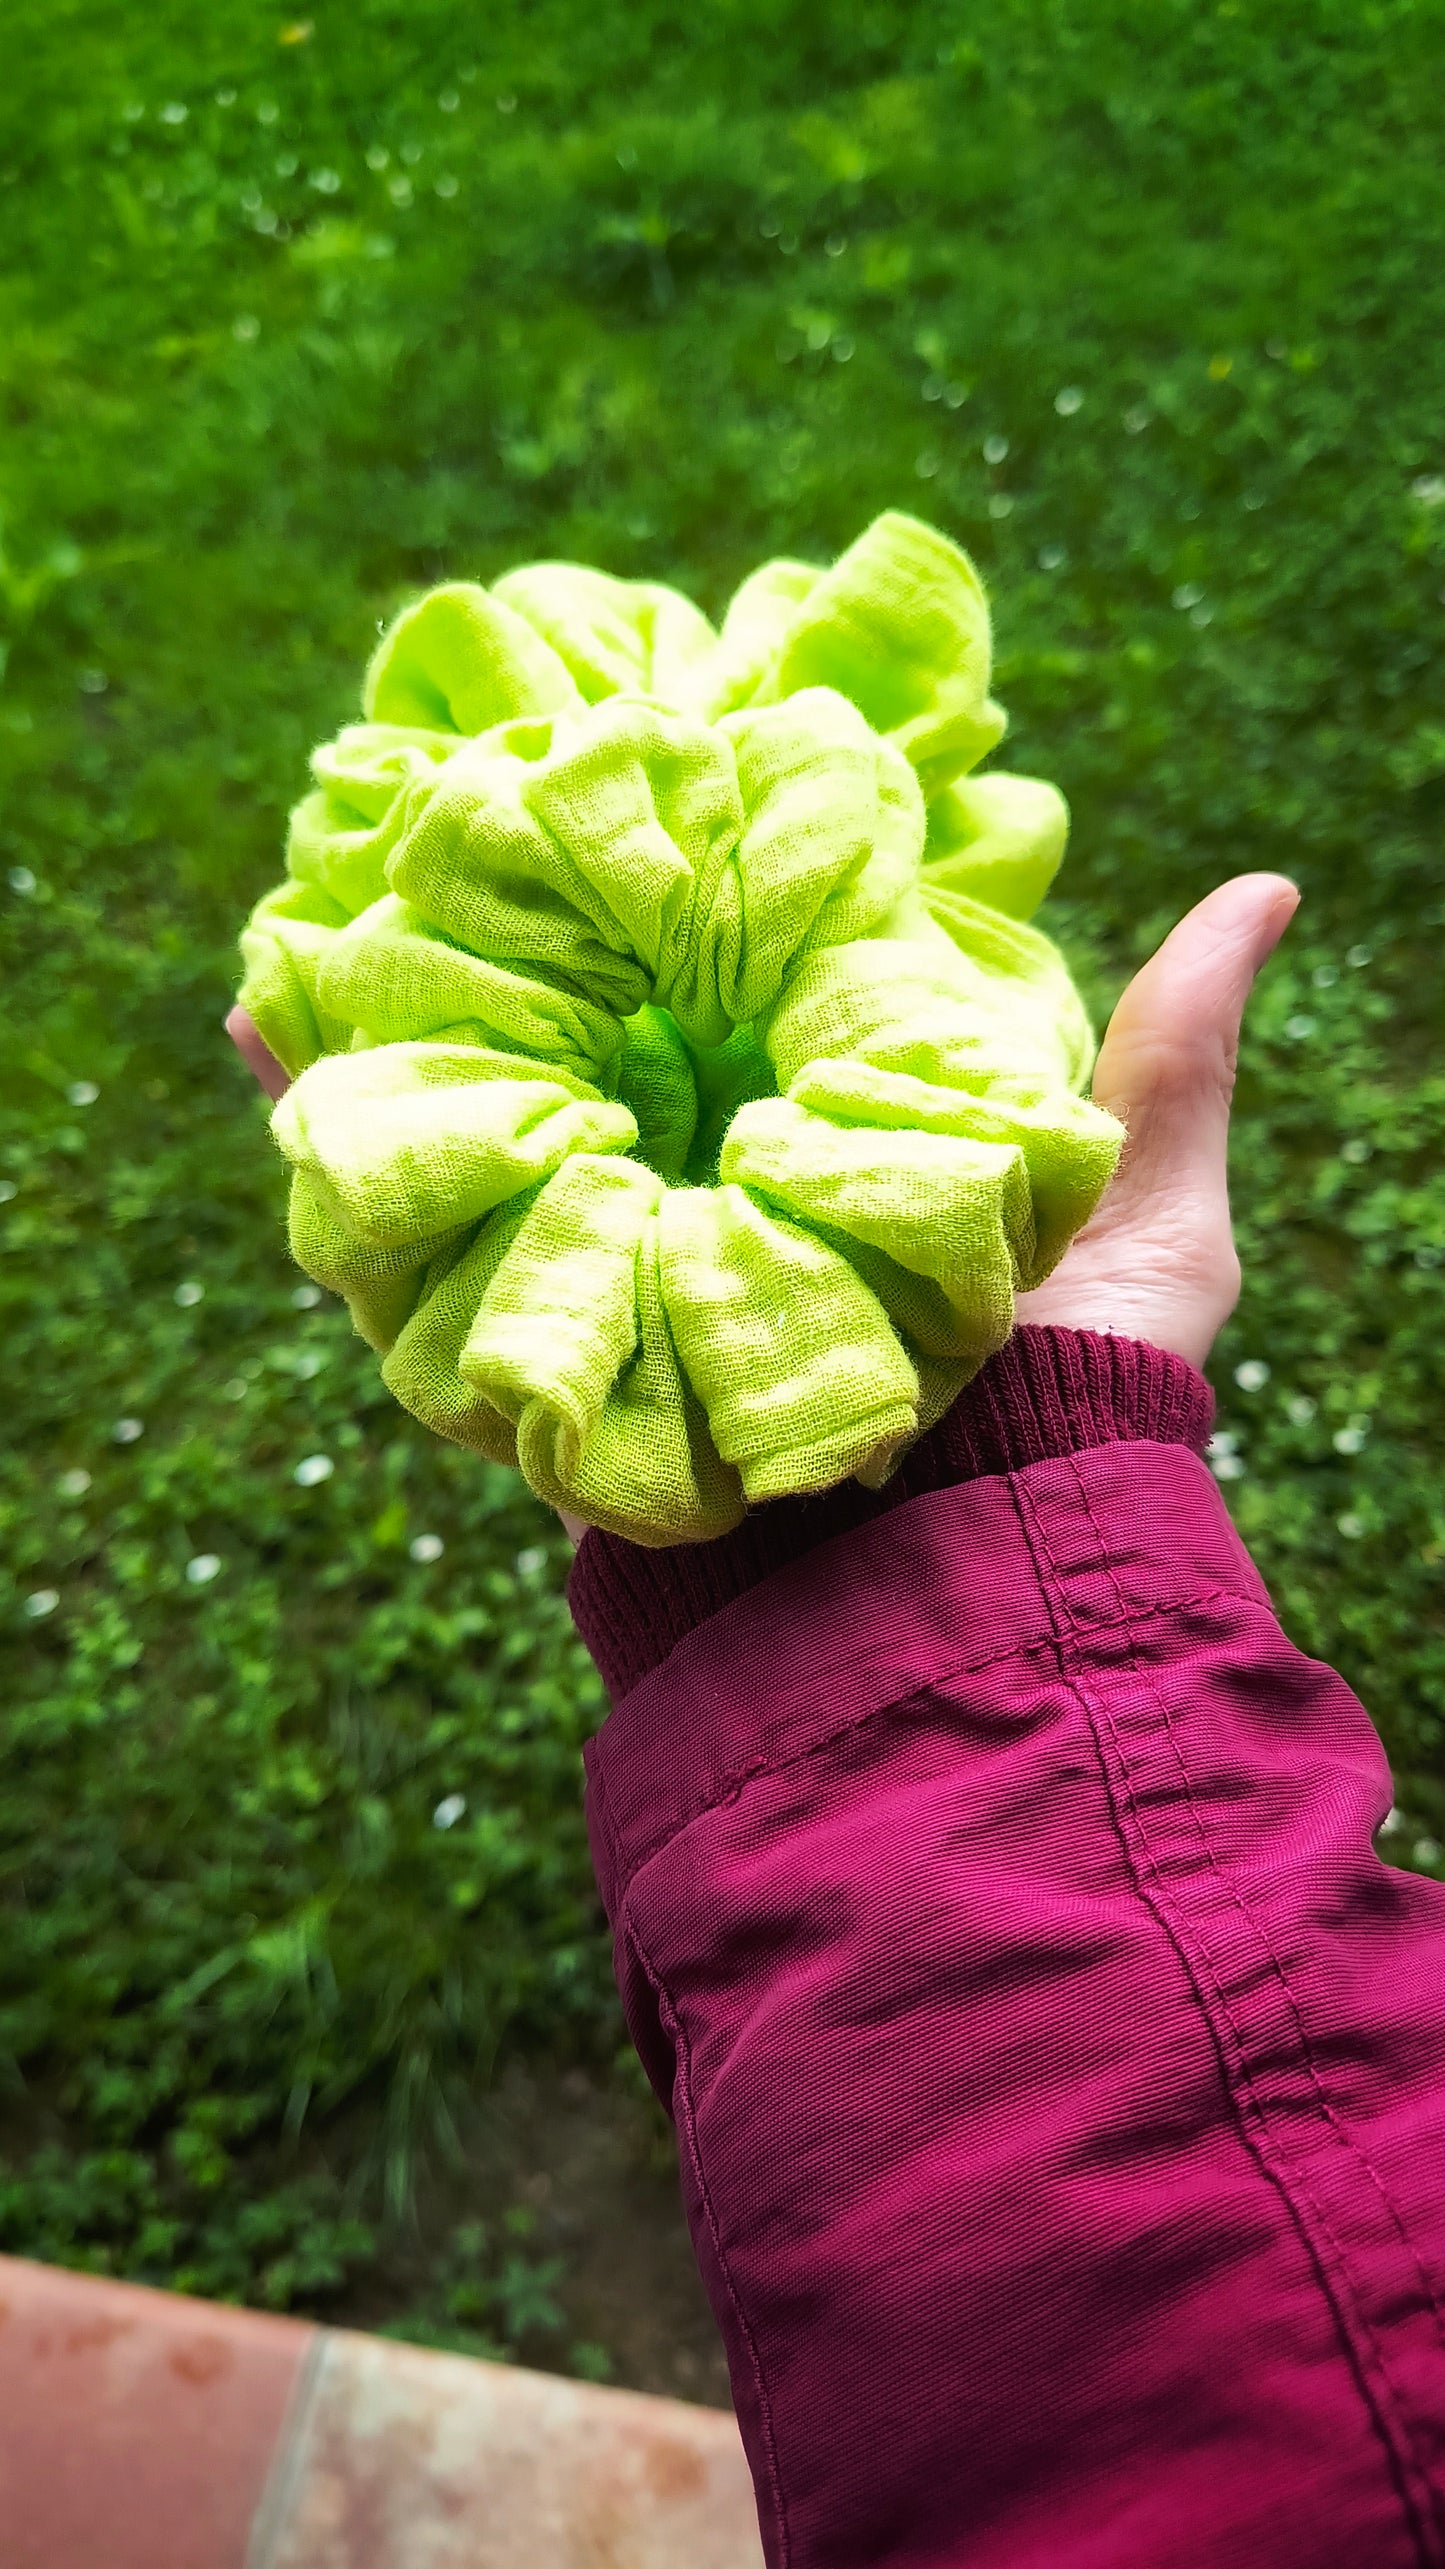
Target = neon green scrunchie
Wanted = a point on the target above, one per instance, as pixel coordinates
(681, 1096)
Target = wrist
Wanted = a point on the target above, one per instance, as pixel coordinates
(1050, 1391)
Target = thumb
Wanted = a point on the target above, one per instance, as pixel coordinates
(256, 1053)
(1166, 1066)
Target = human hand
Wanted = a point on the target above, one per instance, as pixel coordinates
(256, 1053)
(1158, 1259)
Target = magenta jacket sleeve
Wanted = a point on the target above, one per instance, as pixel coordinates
(1059, 2074)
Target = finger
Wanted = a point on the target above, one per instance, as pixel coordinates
(1166, 1065)
(256, 1053)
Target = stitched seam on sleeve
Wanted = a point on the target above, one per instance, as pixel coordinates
(727, 1786)
(1260, 1929)
(687, 2123)
(1369, 2354)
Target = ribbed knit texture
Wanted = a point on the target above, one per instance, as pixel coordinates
(1048, 1392)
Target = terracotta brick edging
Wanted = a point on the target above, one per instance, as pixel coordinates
(139, 2430)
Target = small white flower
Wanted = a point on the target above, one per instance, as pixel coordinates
(926, 465)
(327, 182)
(267, 112)
(842, 349)
(1052, 557)
(1068, 401)
(1223, 1441)
(449, 101)
(21, 879)
(1429, 487)
(8, 1190)
(1228, 1467)
(1351, 1526)
(1299, 1029)
(82, 1092)
(93, 682)
(1201, 616)
(451, 1808)
(531, 1561)
(202, 1568)
(954, 396)
(173, 113)
(411, 153)
(446, 185)
(1188, 594)
(1427, 1850)
(1000, 505)
(305, 1297)
(1349, 1440)
(235, 1389)
(1252, 1375)
(41, 1602)
(1357, 1150)
(399, 190)
(189, 1294)
(1429, 1256)
(1392, 1822)
(314, 1468)
(995, 449)
(308, 1364)
(834, 246)
(1136, 420)
(1300, 1409)
(73, 1485)
(225, 98)
(426, 1547)
(245, 326)
(1359, 956)
(377, 156)
(1325, 975)
(126, 1430)
(507, 104)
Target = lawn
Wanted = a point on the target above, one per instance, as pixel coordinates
(1140, 299)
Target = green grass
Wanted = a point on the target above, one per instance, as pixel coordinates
(289, 330)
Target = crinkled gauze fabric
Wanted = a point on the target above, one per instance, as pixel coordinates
(681, 1094)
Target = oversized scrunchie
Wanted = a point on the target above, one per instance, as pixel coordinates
(680, 1095)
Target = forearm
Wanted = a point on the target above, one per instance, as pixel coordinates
(1056, 2069)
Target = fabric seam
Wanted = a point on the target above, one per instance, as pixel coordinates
(673, 2026)
(729, 1785)
(975, 1468)
(1259, 1928)
(1291, 2183)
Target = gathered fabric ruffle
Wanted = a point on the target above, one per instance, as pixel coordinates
(680, 1092)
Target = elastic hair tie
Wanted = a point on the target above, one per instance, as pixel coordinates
(681, 1096)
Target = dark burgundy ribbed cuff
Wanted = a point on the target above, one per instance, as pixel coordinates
(1048, 1392)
